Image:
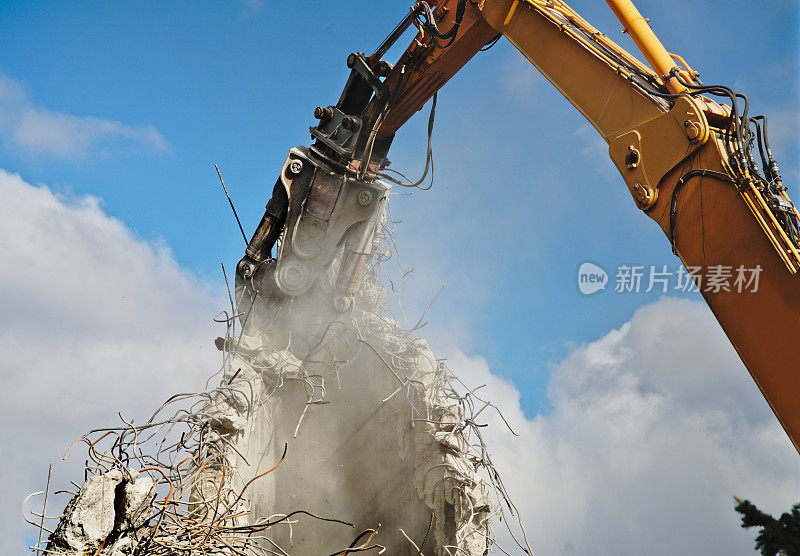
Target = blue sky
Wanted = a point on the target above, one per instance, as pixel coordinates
(524, 190)
(148, 96)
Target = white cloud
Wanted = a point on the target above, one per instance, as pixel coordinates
(34, 129)
(654, 428)
(92, 320)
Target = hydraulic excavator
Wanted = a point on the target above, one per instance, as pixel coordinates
(685, 151)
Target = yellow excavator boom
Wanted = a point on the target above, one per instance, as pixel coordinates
(686, 159)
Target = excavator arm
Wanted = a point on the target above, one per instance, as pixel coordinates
(685, 157)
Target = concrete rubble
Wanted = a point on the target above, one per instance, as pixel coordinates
(418, 434)
(104, 514)
(366, 431)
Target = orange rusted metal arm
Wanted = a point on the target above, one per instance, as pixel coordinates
(423, 68)
(668, 155)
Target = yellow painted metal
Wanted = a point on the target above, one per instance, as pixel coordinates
(628, 119)
(748, 196)
(689, 75)
(716, 224)
(593, 82)
(784, 245)
(654, 144)
(511, 12)
(646, 153)
(571, 15)
(641, 33)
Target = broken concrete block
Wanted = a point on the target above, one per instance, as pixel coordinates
(89, 517)
(138, 501)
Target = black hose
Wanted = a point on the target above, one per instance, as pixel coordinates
(673, 207)
(428, 158)
(429, 23)
(759, 135)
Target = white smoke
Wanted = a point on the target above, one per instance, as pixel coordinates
(653, 427)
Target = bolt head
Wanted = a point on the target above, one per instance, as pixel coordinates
(342, 303)
(323, 114)
(364, 198)
(641, 193)
(351, 123)
(383, 68)
(292, 277)
(246, 268)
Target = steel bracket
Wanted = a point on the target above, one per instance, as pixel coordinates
(323, 206)
(646, 153)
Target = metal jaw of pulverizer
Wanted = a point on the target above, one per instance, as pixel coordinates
(315, 213)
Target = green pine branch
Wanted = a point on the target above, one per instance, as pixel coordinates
(777, 537)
